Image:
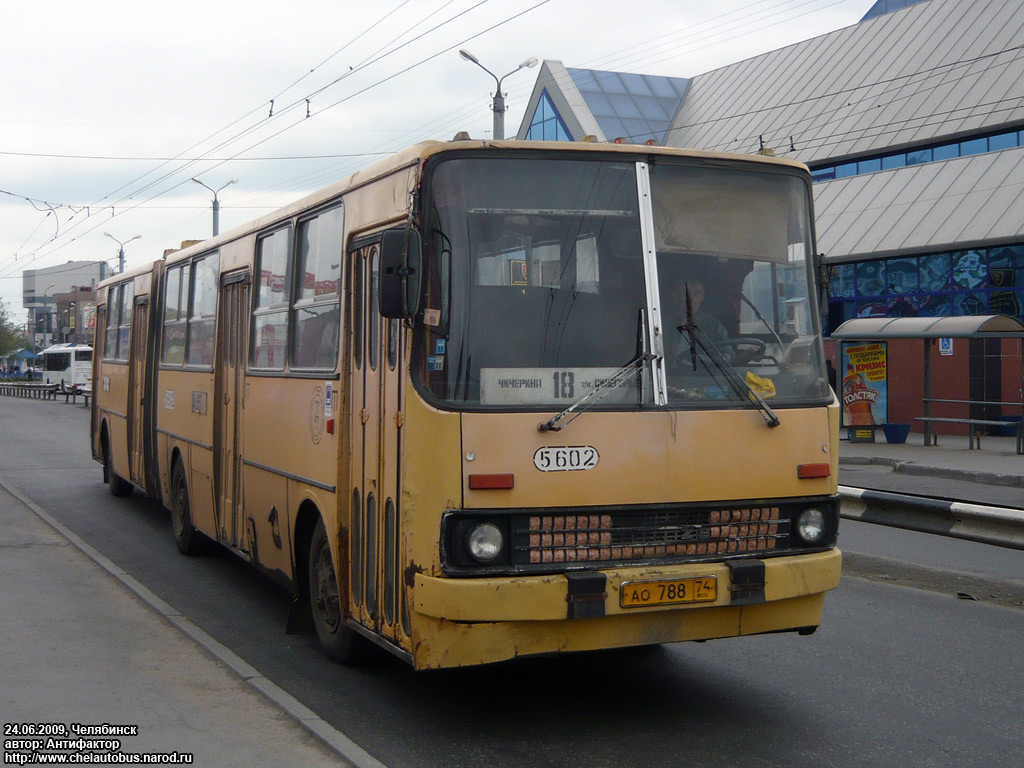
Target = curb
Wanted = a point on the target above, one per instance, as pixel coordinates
(308, 720)
(906, 467)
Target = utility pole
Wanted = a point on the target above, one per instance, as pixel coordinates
(216, 203)
(120, 251)
(499, 97)
(46, 308)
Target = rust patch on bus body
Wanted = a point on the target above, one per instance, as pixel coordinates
(410, 574)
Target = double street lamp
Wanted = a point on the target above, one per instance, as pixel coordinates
(120, 251)
(499, 97)
(216, 203)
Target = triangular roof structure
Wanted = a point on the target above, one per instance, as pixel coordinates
(568, 104)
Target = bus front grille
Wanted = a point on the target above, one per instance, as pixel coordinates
(643, 535)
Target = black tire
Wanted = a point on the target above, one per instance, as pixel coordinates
(339, 641)
(186, 536)
(118, 485)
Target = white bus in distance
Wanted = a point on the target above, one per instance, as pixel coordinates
(69, 365)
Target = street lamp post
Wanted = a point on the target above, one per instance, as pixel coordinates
(216, 203)
(499, 97)
(120, 252)
(72, 322)
(46, 307)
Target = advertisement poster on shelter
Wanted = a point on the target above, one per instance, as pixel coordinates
(865, 385)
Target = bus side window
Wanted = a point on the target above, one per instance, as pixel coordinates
(270, 312)
(125, 326)
(317, 337)
(202, 322)
(317, 297)
(175, 311)
(112, 321)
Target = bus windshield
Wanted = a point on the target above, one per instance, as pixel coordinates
(546, 276)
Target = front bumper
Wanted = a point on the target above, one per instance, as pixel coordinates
(545, 598)
(462, 622)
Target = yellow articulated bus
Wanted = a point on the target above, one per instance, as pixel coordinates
(485, 400)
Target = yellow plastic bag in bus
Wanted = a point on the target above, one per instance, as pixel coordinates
(761, 386)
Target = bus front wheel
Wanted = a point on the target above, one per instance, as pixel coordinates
(185, 534)
(338, 640)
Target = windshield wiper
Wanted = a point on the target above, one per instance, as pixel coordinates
(710, 351)
(759, 316)
(607, 385)
(597, 394)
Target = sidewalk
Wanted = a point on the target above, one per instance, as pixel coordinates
(993, 474)
(80, 648)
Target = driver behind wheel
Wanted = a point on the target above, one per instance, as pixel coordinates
(707, 323)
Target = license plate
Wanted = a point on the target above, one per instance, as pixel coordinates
(634, 594)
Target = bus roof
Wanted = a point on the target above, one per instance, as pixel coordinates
(57, 348)
(419, 153)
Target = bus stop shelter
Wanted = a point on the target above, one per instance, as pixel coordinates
(17, 361)
(869, 329)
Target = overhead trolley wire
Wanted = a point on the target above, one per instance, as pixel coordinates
(277, 133)
(101, 204)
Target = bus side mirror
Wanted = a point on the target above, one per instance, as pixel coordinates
(401, 262)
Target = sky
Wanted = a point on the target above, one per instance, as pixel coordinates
(108, 109)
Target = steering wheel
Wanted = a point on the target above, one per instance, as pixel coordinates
(738, 350)
(748, 346)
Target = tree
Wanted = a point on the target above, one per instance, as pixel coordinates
(11, 338)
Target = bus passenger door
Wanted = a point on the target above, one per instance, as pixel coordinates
(136, 394)
(375, 427)
(227, 440)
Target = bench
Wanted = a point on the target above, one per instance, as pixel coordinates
(973, 438)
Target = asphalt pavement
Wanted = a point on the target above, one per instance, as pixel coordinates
(87, 645)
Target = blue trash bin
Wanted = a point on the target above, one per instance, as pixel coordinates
(896, 433)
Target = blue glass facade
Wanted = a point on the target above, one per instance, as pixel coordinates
(974, 145)
(887, 6)
(975, 282)
(547, 124)
(635, 108)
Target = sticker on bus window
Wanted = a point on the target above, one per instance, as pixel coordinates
(432, 317)
(517, 272)
(435, 363)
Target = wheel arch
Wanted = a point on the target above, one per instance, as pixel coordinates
(104, 446)
(305, 523)
(175, 458)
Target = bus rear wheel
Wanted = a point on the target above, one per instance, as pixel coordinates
(338, 641)
(185, 534)
(118, 485)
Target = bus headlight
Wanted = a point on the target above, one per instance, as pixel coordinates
(485, 542)
(810, 525)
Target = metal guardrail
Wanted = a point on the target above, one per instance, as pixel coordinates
(1000, 526)
(29, 389)
(44, 391)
